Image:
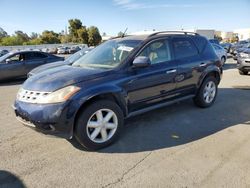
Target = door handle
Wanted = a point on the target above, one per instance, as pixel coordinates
(171, 71)
(203, 64)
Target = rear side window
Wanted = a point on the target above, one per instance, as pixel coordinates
(34, 56)
(184, 47)
(200, 42)
(39, 56)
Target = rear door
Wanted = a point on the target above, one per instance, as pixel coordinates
(155, 83)
(190, 65)
(33, 60)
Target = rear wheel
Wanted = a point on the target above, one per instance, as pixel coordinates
(207, 93)
(99, 125)
(242, 72)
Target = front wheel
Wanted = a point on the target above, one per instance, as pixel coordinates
(207, 93)
(223, 60)
(99, 125)
(243, 72)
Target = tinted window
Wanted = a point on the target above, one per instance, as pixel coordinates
(39, 55)
(200, 42)
(34, 55)
(157, 52)
(184, 48)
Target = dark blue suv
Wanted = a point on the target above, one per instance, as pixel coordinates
(118, 79)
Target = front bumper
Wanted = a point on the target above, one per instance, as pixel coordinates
(52, 119)
(243, 63)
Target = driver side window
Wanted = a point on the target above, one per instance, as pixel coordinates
(15, 57)
(157, 52)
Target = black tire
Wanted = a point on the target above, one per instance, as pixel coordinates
(83, 118)
(199, 98)
(242, 72)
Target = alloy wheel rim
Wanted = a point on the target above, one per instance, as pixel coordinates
(102, 125)
(209, 92)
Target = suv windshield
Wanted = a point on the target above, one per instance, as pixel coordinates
(108, 55)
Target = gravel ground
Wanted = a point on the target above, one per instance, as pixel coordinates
(177, 146)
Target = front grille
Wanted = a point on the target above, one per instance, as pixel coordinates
(31, 96)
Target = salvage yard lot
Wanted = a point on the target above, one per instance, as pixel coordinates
(176, 146)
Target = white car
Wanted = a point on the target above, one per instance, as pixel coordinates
(63, 50)
(220, 52)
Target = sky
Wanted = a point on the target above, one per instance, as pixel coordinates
(112, 16)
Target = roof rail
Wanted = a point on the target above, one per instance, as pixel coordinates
(171, 32)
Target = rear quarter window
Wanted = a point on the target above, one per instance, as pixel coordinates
(184, 47)
(200, 42)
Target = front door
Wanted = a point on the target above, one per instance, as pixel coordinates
(155, 83)
(12, 67)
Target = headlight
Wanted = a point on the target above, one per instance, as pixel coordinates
(244, 55)
(38, 97)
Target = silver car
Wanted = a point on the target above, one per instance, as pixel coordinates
(220, 52)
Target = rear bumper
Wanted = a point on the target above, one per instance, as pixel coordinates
(52, 119)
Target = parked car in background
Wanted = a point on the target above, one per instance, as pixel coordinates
(237, 45)
(18, 64)
(83, 46)
(220, 52)
(74, 49)
(3, 52)
(46, 50)
(226, 46)
(63, 50)
(120, 78)
(214, 41)
(243, 62)
(71, 59)
(240, 49)
(52, 50)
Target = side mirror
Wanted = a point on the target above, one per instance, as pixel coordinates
(141, 61)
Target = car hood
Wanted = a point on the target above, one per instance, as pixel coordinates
(60, 77)
(46, 67)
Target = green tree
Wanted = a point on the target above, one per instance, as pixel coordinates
(94, 37)
(33, 35)
(3, 33)
(22, 36)
(35, 41)
(11, 41)
(49, 37)
(83, 35)
(74, 26)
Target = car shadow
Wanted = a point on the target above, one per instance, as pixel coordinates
(228, 66)
(12, 82)
(7, 179)
(181, 123)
